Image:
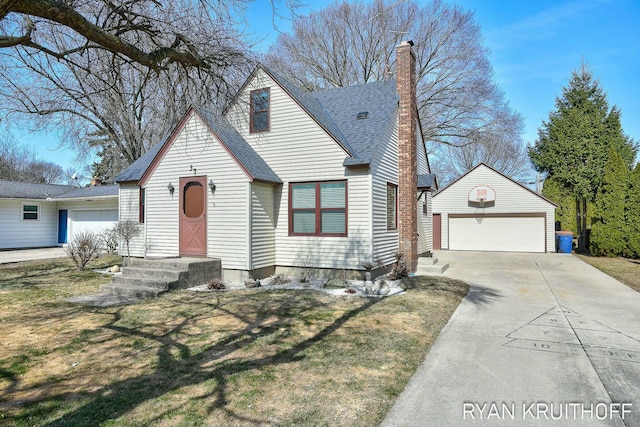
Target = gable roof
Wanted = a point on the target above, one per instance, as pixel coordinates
(499, 173)
(249, 161)
(28, 190)
(336, 110)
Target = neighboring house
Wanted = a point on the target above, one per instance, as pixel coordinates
(44, 215)
(485, 210)
(286, 180)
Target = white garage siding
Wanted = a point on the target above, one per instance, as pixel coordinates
(500, 233)
(91, 220)
(514, 208)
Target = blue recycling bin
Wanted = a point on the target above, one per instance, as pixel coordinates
(564, 241)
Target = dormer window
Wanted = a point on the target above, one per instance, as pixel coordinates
(259, 120)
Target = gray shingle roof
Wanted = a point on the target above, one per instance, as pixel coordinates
(27, 190)
(378, 100)
(426, 181)
(107, 190)
(135, 171)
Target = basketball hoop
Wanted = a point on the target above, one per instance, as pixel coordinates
(479, 213)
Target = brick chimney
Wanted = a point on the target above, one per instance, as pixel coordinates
(407, 157)
(95, 181)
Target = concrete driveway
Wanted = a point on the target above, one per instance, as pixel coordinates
(19, 255)
(541, 339)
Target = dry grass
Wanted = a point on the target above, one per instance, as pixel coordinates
(250, 357)
(625, 270)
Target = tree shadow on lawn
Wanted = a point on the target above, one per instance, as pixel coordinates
(476, 294)
(177, 367)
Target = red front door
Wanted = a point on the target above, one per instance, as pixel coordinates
(193, 216)
(437, 231)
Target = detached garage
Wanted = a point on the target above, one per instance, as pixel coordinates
(484, 210)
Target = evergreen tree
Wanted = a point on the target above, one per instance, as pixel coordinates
(609, 229)
(573, 145)
(632, 214)
(566, 210)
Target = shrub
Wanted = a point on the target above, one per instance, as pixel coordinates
(109, 240)
(216, 285)
(400, 268)
(84, 248)
(279, 279)
(127, 231)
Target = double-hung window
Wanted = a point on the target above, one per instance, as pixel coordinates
(259, 120)
(143, 204)
(30, 212)
(318, 209)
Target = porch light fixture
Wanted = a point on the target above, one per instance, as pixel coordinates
(212, 186)
(171, 189)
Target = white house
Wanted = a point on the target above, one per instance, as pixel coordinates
(286, 179)
(484, 210)
(45, 215)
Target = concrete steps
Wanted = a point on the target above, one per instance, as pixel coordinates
(428, 266)
(148, 278)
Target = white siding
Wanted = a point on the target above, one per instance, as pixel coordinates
(129, 210)
(299, 150)
(18, 233)
(263, 225)
(227, 210)
(425, 223)
(423, 166)
(384, 169)
(511, 198)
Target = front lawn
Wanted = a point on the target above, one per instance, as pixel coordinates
(250, 357)
(625, 270)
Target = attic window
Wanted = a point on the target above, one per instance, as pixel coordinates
(259, 120)
(362, 115)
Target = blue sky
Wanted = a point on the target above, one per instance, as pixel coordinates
(534, 47)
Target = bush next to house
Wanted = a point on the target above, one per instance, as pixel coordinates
(109, 238)
(127, 231)
(609, 228)
(84, 247)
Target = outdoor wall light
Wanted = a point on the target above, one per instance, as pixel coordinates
(171, 189)
(212, 186)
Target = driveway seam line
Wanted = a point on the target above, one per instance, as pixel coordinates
(582, 346)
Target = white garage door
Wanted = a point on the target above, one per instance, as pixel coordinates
(501, 234)
(95, 220)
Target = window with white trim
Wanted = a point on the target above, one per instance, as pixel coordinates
(30, 211)
(259, 120)
(318, 209)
